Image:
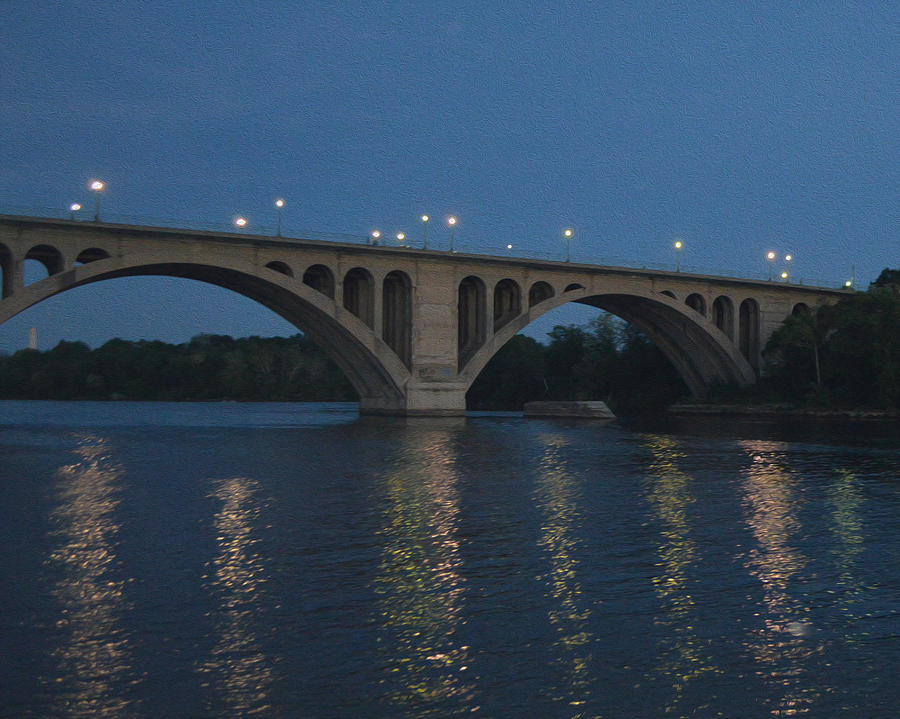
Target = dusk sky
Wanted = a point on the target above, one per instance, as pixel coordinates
(737, 127)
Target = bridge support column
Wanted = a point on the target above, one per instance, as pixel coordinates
(427, 399)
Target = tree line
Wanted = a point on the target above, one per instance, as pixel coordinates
(607, 360)
(842, 355)
(209, 367)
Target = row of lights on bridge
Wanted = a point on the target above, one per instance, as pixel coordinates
(97, 187)
(241, 222)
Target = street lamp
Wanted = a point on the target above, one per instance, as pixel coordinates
(375, 234)
(568, 234)
(785, 275)
(73, 208)
(509, 249)
(452, 222)
(240, 222)
(678, 245)
(425, 234)
(770, 257)
(401, 237)
(97, 187)
(279, 203)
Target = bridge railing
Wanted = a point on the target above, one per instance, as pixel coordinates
(440, 244)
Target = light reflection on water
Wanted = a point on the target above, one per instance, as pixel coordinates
(495, 565)
(94, 650)
(558, 494)
(683, 658)
(419, 583)
(238, 672)
(787, 637)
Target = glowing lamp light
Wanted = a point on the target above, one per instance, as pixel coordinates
(74, 207)
(240, 222)
(400, 237)
(279, 203)
(567, 233)
(97, 186)
(424, 218)
(788, 258)
(848, 283)
(770, 255)
(452, 222)
(374, 235)
(678, 244)
(784, 275)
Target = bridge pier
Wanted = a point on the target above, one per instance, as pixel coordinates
(427, 400)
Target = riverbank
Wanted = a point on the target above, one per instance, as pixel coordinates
(775, 411)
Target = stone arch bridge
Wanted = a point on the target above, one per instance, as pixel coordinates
(411, 328)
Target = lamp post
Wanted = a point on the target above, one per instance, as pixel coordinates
(452, 222)
(401, 237)
(97, 187)
(73, 208)
(678, 245)
(375, 234)
(279, 203)
(567, 235)
(770, 258)
(425, 232)
(509, 249)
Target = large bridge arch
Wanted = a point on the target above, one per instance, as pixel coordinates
(701, 353)
(373, 369)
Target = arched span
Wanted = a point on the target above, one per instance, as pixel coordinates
(374, 371)
(698, 350)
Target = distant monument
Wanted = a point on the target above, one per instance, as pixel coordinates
(32, 338)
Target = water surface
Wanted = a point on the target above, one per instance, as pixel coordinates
(200, 560)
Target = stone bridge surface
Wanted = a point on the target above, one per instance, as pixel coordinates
(411, 328)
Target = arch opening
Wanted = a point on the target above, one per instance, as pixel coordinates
(800, 309)
(359, 295)
(396, 315)
(471, 316)
(723, 315)
(92, 254)
(6, 271)
(574, 286)
(669, 293)
(281, 267)
(507, 303)
(696, 302)
(749, 332)
(539, 292)
(44, 256)
(321, 279)
(376, 377)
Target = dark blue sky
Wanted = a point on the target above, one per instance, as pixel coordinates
(739, 127)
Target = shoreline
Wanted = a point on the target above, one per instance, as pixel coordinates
(776, 411)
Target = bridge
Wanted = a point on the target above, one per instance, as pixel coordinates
(413, 328)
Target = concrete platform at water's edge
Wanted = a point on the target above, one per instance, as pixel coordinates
(579, 410)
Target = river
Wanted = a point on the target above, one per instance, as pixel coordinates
(296, 560)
